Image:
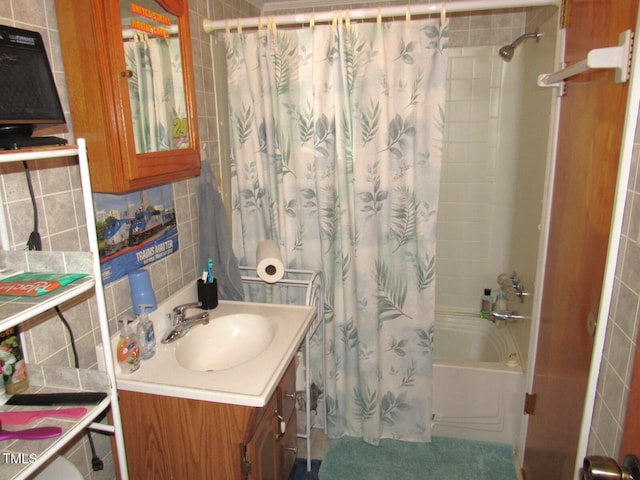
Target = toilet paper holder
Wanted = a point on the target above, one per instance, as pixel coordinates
(269, 264)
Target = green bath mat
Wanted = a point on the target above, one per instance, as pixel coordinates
(442, 459)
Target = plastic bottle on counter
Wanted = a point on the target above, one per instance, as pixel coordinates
(146, 334)
(501, 302)
(485, 303)
(128, 351)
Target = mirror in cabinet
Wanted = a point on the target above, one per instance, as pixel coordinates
(151, 41)
(129, 72)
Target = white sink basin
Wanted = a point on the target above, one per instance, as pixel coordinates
(225, 342)
(249, 384)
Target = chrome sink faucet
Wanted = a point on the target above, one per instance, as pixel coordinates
(181, 324)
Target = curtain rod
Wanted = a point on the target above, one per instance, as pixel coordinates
(211, 26)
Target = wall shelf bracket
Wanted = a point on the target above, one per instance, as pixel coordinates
(618, 58)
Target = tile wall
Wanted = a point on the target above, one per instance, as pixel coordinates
(472, 218)
(622, 329)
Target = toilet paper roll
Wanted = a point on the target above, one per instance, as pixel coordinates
(269, 265)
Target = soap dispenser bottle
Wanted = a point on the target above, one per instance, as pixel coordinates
(128, 351)
(146, 334)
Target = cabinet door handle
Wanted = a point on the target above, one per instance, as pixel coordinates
(293, 450)
(282, 426)
(292, 396)
(126, 74)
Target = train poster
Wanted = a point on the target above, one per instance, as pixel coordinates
(134, 229)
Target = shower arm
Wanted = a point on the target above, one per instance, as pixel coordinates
(507, 51)
(523, 37)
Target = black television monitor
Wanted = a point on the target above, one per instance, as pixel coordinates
(28, 94)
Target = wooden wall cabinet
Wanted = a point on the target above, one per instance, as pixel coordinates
(98, 83)
(169, 437)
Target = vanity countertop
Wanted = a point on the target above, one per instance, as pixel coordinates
(249, 384)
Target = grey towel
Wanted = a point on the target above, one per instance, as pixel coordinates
(215, 236)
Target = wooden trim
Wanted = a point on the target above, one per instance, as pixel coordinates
(174, 7)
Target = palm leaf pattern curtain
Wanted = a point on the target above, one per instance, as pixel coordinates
(336, 138)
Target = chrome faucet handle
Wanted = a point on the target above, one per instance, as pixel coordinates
(199, 317)
(181, 325)
(180, 309)
(511, 285)
(520, 291)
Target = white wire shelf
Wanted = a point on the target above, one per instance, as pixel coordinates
(24, 450)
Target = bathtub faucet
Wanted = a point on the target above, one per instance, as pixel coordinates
(507, 315)
(510, 284)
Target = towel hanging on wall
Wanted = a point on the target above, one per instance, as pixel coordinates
(215, 236)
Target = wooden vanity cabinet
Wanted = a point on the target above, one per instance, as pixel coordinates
(288, 445)
(98, 81)
(272, 448)
(260, 451)
(169, 437)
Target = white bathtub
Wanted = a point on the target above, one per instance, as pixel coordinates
(478, 385)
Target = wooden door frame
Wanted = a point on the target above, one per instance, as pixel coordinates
(552, 150)
(624, 167)
(624, 170)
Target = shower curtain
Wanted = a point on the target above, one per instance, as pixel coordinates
(156, 91)
(336, 135)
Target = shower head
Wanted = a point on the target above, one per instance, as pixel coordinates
(506, 52)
